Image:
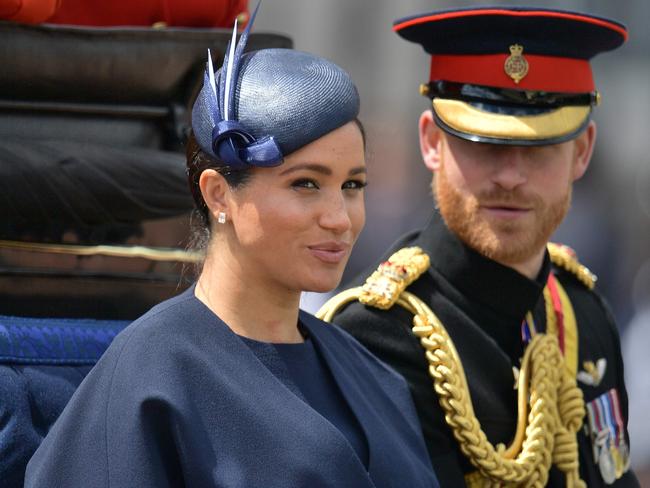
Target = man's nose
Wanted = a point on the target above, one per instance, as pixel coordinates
(510, 171)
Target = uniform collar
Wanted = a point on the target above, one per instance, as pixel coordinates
(479, 279)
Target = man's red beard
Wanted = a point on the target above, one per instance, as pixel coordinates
(507, 242)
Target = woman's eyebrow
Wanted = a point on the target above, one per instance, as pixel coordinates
(319, 168)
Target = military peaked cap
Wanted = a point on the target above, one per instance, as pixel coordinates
(512, 75)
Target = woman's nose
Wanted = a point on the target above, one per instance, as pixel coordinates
(335, 215)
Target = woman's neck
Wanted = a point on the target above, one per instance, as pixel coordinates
(249, 305)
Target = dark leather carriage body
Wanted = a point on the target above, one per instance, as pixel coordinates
(92, 127)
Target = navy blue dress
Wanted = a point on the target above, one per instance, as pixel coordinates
(303, 370)
(178, 399)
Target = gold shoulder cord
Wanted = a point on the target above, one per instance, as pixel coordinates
(550, 405)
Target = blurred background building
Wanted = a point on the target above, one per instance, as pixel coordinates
(609, 223)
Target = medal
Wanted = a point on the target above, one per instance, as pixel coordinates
(607, 431)
(607, 465)
(618, 461)
(624, 453)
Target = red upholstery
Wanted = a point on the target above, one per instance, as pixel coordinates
(187, 13)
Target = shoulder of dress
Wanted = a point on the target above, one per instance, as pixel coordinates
(385, 285)
(565, 258)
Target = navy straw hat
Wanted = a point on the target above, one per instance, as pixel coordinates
(264, 105)
(509, 75)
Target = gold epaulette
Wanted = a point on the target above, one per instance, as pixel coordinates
(384, 286)
(564, 257)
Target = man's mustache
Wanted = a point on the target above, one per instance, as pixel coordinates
(499, 197)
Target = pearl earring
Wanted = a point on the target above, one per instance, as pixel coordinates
(221, 217)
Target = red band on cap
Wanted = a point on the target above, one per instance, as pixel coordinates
(545, 73)
(512, 13)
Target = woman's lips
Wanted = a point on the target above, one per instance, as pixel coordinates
(330, 252)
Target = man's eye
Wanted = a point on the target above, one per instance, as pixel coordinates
(305, 183)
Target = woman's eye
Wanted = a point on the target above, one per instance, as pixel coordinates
(354, 185)
(305, 183)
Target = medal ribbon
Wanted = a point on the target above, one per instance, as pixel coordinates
(528, 329)
(557, 308)
(603, 403)
(593, 424)
(598, 416)
(616, 409)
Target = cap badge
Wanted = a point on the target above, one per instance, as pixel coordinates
(516, 66)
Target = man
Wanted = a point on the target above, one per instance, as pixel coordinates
(524, 355)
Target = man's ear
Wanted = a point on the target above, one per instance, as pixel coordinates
(214, 189)
(430, 141)
(584, 148)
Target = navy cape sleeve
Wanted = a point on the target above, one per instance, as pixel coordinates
(116, 427)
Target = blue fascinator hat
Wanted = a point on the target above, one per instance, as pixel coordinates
(263, 105)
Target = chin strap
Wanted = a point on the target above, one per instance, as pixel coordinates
(550, 405)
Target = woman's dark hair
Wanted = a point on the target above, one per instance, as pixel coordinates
(362, 129)
(197, 162)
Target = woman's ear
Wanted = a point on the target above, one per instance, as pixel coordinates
(583, 149)
(430, 141)
(214, 189)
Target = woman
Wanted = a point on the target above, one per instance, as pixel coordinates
(229, 384)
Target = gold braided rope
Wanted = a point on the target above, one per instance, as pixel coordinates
(550, 405)
(544, 436)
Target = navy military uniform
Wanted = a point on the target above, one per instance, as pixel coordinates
(481, 303)
(527, 70)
